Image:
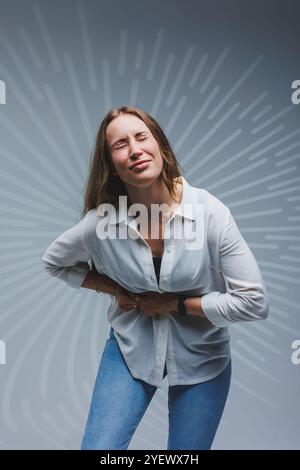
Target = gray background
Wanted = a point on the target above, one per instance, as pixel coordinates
(217, 76)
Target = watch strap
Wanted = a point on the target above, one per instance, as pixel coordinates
(181, 305)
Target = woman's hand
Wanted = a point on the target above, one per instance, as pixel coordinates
(154, 303)
(149, 302)
(125, 298)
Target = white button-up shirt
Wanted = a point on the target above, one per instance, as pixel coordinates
(220, 267)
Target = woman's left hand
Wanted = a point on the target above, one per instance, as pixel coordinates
(154, 303)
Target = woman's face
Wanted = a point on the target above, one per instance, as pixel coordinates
(130, 141)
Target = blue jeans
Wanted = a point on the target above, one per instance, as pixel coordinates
(119, 402)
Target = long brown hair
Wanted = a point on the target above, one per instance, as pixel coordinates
(102, 186)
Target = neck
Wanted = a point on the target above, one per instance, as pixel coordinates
(154, 193)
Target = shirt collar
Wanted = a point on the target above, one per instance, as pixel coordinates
(185, 209)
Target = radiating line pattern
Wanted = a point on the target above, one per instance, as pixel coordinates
(241, 146)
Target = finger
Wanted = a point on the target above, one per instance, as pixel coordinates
(127, 307)
(127, 300)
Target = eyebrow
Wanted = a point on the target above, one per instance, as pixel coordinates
(121, 140)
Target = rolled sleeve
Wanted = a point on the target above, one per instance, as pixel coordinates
(245, 298)
(67, 257)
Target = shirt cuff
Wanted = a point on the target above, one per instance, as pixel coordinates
(209, 304)
(76, 275)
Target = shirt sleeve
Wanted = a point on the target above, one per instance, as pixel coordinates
(67, 257)
(245, 298)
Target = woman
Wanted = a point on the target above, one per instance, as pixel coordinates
(173, 295)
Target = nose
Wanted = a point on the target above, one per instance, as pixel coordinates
(135, 155)
(134, 152)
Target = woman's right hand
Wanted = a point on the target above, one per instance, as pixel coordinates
(125, 299)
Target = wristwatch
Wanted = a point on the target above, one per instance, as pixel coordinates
(181, 305)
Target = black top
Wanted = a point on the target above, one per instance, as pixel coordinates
(157, 263)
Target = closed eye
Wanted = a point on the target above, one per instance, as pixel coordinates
(117, 148)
